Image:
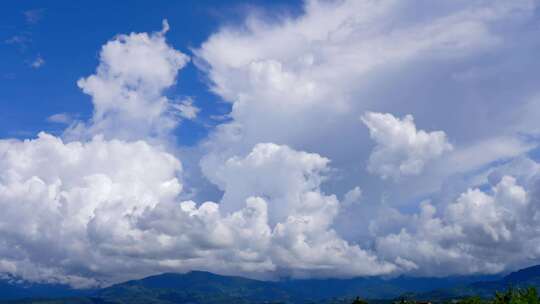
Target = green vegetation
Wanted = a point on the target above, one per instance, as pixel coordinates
(510, 296)
(359, 301)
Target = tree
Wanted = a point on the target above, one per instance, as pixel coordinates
(359, 301)
(517, 296)
(529, 295)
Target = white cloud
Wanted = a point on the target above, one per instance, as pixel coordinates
(61, 118)
(186, 109)
(51, 191)
(38, 62)
(110, 208)
(300, 214)
(304, 81)
(352, 196)
(401, 149)
(127, 89)
(275, 172)
(480, 231)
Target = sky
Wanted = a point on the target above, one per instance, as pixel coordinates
(281, 139)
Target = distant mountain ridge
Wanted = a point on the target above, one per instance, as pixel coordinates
(209, 288)
(526, 277)
(192, 287)
(206, 287)
(526, 274)
(294, 291)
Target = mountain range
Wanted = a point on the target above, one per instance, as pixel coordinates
(522, 278)
(206, 287)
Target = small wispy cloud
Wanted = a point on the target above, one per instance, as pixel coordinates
(187, 109)
(23, 38)
(222, 117)
(20, 40)
(61, 118)
(38, 62)
(17, 39)
(33, 16)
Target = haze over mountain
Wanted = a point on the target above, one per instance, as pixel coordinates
(205, 287)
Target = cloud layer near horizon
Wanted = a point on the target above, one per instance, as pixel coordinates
(364, 139)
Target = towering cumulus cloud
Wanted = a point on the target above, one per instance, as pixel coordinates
(401, 149)
(304, 81)
(298, 175)
(127, 88)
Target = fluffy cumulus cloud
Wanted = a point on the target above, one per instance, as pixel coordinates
(106, 202)
(481, 231)
(293, 233)
(127, 88)
(400, 148)
(54, 193)
(100, 211)
(275, 172)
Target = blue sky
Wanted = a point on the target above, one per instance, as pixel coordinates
(268, 139)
